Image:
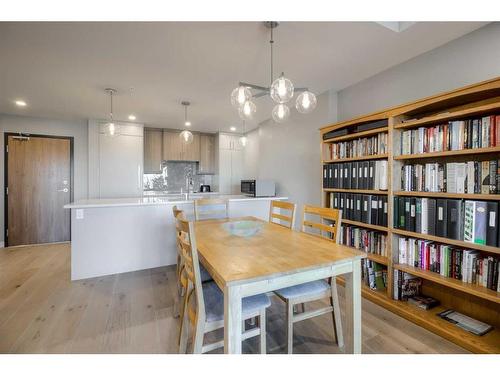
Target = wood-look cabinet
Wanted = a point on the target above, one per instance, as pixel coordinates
(190, 152)
(207, 154)
(172, 147)
(153, 150)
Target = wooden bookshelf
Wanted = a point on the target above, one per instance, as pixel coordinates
(364, 225)
(477, 197)
(447, 241)
(476, 290)
(363, 134)
(440, 154)
(357, 158)
(358, 191)
(476, 301)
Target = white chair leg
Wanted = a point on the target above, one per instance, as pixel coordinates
(262, 326)
(184, 329)
(289, 331)
(337, 320)
(303, 307)
(199, 333)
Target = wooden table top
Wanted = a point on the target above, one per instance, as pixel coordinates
(274, 251)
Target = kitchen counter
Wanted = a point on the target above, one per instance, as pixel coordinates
(110, 236)
(159, 200)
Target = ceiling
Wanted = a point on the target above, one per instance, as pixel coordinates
(61, 69)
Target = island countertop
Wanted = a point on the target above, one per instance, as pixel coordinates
(160, 200)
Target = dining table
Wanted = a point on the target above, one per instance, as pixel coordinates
(274, 258)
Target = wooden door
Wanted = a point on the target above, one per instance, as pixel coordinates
(153, 144)
(207, 153)
(38, 186)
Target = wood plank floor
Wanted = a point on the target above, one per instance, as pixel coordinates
(42, 311)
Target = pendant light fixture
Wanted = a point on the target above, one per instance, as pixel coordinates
(185, 135)
(110, 128)
(243, 140)
(281, 92)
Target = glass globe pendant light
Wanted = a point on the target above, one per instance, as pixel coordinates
(280, 113)
(186, 136)
(306, 102)
(247, 110)
(281, 89)
(239, 96)
(110, 128)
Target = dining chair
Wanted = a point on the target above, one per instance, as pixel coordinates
(204, 302)
(326, 224)
(285, 219)
(211, 208)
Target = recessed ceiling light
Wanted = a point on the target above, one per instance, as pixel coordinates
(132, 117)
(20, 103)
(232, 128)
(187, 123)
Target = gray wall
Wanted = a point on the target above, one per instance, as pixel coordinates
(470, 59)
(76, 129)
(289, 153)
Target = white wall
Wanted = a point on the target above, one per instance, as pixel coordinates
(470, 59)
(289, 153)
(76, 129)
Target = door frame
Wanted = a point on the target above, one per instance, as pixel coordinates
(6, 173)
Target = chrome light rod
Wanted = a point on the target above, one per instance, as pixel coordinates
(266, 90)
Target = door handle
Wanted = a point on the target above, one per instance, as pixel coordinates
(65, 190)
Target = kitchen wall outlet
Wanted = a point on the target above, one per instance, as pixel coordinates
(79, 214)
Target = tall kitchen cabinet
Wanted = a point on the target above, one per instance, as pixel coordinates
(175, 149)
(230, 163)
(153, 149)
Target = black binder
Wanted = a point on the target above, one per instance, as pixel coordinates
(407, 207)
(354, 170)
(395, 217)
(413, 211)
(374, 210)
(431, 216)
(325, 175)
(401, 210)
(336, 200)
(418, 215)
(454, 216)
(380, 212)
(386, 210)
(442, 218)
(492, 224)
(364, 207)
(351, 197)
(358, 207)
(347, 175)
(360, 175)
(371, 174)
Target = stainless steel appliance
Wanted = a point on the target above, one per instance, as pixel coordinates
(258, 188)
(205, 189)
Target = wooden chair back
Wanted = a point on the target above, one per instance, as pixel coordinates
(195, 304)
(207, 208)
(328, 221)
(282, 218)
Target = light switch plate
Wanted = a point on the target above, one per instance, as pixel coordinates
(79, 213)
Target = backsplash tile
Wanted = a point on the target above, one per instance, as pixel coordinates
(173, 178)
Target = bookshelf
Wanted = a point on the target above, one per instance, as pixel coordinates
(477, 301)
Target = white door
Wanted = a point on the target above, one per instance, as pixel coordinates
(225, 171)
(120, 166)
(236, 171)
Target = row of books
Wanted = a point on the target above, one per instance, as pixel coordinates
(405, 286)
(471, 221)
(365, 208)
(375, 145)
(455, 135)
(368, 175)
(369, 241)
(374, 275)
(473, 177)
(469, 266)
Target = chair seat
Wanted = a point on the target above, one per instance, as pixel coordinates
(302, 290)
(214, 303)
(205, 276)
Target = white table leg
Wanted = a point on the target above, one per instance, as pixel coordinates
(232, 320)
(353, 308)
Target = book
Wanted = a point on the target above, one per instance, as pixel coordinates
(423, 302)
(466, 322)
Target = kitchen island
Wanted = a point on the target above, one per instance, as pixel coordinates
(110, 236)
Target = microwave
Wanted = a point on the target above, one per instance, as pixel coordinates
(258, 188)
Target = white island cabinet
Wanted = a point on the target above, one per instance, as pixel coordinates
(110, 236)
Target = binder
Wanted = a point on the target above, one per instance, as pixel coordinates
(401, 211)
(340, 176)
(455, 219)
(380, 211)
(360, 175)
(374, 210)
(418, 215)
(431, 216)
(325, 175)
(492, 228)
(351, 197)
(354, 180)
(357, 207)
(347, 179)
(347, 206)
(385, 213)
(336, 201)
(342, 203)
(366, 167)
(371, 174)
(364, 214)
(412, 221)
(407, 207)
(395, 216)
(442, 220)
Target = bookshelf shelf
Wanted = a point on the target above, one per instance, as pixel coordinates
(443, 117)
(357, 158)
(476, 290)
(448, 241)
(364, 225)
(358, 191)
(363, 134)
(470, 151)
(471, 102)
(491, 197)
